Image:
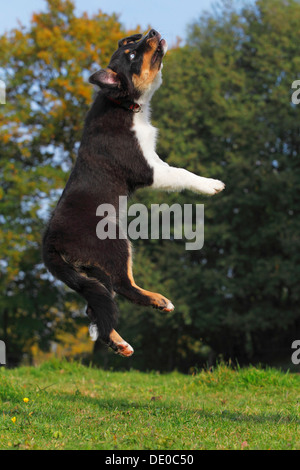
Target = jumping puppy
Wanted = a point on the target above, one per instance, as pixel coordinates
(117, 155)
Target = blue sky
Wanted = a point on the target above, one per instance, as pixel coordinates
(170, 17)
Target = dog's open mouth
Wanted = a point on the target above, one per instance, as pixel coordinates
(160, 52)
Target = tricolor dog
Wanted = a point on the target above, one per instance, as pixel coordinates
(116, 156)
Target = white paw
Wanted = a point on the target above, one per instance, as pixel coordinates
(169, 308)
(211, 186)
(124, 349)
(93, 330)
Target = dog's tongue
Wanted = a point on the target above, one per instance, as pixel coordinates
(163, 43)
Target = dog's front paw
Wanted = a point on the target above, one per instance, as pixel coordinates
(211, 187)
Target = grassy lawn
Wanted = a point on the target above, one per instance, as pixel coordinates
(70, 406)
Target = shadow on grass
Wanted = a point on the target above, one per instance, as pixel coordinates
(175, 410)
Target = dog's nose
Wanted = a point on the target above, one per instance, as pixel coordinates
(153, 33)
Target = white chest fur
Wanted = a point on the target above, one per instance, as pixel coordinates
(145, 133)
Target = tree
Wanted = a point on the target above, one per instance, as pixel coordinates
(225, 111)
(45, 68)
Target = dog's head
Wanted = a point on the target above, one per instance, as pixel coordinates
(135, 67)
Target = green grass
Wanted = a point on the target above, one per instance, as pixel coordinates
(75, 407)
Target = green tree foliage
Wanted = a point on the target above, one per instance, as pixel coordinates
(225, 111)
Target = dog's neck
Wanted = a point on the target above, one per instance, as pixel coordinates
(126, 104)
(143, 102)
(145, 99)
(146, 96)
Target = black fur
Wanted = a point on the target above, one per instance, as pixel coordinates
(109, 164)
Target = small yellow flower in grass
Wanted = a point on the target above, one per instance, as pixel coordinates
(14, 419)
(25, 400)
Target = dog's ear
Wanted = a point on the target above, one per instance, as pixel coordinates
(105, 78)
(129, 39)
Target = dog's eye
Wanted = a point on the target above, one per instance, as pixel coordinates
(132, 55)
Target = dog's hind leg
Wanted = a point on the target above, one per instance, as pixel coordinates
(114, 340)
(126, 286)
(102, 309)
(117, 343)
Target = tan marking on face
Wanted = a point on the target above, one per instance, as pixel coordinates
(148, 72)
(128, 41)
